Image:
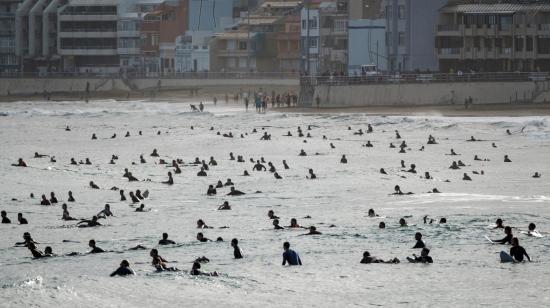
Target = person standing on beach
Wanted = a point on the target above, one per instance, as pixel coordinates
(317, 101)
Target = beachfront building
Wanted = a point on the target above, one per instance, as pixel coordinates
(333, 37)
(309, 41)
(159, 30)
(9, 61)
(366, 36)
(254, 43)
(410, 30)
(193, 52)
(494, 36)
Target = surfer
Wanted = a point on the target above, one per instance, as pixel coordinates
(195, 270)
(88, 223)
(424, 257)
(419, 242)
(123, 270)
(165, 240)
(22, 220)
(368, 259)
(290, 256)
(508, 238)
(95, 249)
(106, 212)
(160, 263)
(5, 219)
(20, 163)
(517, 252)
(236, 250)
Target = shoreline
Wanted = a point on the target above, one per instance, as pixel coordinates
(479, 110)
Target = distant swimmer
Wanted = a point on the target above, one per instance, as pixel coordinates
(67, 128)
(332, 146)
(219, 184)
(212, 161)
(53, 198)
(288, 134)
(93, 185)
(155, 153)
(211, 190)
(66, 215)
(424, 257)
(235, 192)
(397, 191)
(419, 242)
(412, 169)
(531, 229)
(52, 159)
(312, 175)
(22, 220)
(403, 164)
(45, 201)
(271, 215)
(508, 132)
(202, 225)
(5, 219)
(94, 137)
(285, 165)
(73, 161)
(369, 128)
(142, 159)
(382, 171)
(88, 223)
(142, 208)
(36, 155)
(27, 239)
(499, 224)
(87, 162)
(134, 198)
(106, 212)
(276, 225)
(427, 176)
(403, 222)
(312, 231)
(392, 146)
(131, 177)
(294, 223)
(224, 206)
(507, 238)
(123, 270)
(245, 173)
(343, 160)
(368, 259)
(259, 167)
(237, 253)
(454, 166)
(20, 163)
(453, 152)
(359, 132)
(507, 159)
(397, 135)
(195, 271)
(272, 168)
(160, 263)
(368, 144)
(122, 196)
(290, 256)
(277, 176)
(431, 140)
(95, 249)
(472, 139)
(170, 180)
(466, 177)
(434, 191)
(113, 136)
(302, 153)
(165, 240)
(228, 183)
(127, 134)
(536, 175)
(201, 172)
(371, 213)
(494, 145)
(201, 238)
(71, 198)
(382, 225)
(517, 252)
(231, 156)
(461, 164)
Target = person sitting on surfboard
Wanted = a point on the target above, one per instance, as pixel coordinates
(424, 257)
(419, 242)
(508, 238)
(517, 252)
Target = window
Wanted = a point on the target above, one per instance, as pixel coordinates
(340, 25)
(304, 25)
(242, 45)
(401, 11)
(388, 11)
(401, 38)
(231, 62)
(313, 42)
(519, 43)
(529, 43)
(313, 23)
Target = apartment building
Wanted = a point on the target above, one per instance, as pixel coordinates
(411, 29)
(494, 36)
(310, 37)
(9, 61)
(333, 37)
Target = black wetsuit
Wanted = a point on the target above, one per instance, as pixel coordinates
(6, 220)
(419, 244)
(517, 252)
(122, 271)
(506, 240)
(237, 253)
(166, 242)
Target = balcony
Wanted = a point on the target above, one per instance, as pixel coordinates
(449, 30)
(129, 51)
(88, 34)
(450, 53)
(84, 17)
(88, 51)
(233, 53)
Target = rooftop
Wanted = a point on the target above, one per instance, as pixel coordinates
(488, 8)
(281, 4)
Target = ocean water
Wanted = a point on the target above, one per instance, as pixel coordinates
(466, 270)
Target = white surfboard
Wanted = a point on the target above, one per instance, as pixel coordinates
(490, 241)
(532, 233)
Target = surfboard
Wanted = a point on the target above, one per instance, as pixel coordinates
(506, 258)
(533, 233)
(490, 241)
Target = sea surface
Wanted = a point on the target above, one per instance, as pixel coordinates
(466, 271)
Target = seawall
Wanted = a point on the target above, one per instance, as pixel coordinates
(440, 93)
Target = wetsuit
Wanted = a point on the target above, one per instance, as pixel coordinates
(421, 259)
(235, 193)
(123, 271)
(506, 240)
(97, 250)
(237, 253)
(23, 221)
(6, 220)
(291, 257)
(419, 244)
(166, 242)
(517, 252)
